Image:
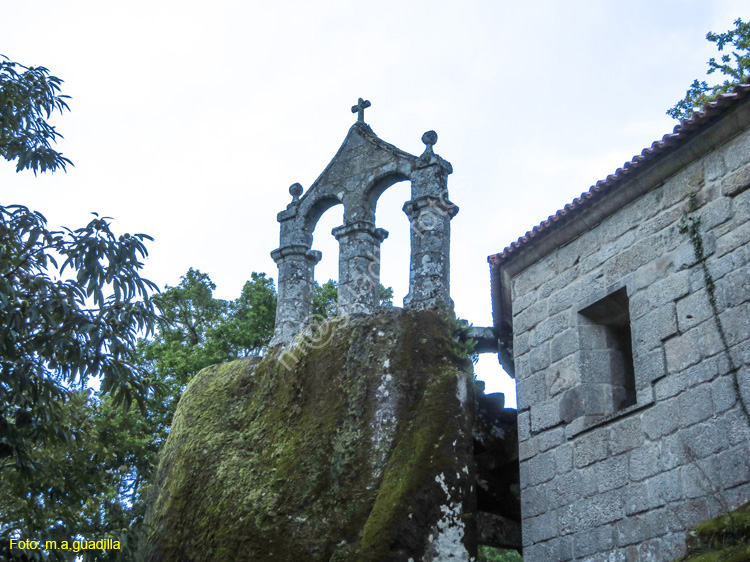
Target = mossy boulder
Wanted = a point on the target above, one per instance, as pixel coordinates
(722, 539)
(353, 445)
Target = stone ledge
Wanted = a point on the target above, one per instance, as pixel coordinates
(583, 425)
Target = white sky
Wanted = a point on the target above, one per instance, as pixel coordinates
(191, 119)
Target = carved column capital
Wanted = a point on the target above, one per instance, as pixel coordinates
(296, 250)
(438, 205)
(362, 228)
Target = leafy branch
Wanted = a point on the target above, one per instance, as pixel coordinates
(28, 97)
(735, 65)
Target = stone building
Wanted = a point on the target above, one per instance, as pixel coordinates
(624, 319)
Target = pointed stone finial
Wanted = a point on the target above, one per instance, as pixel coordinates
(359, 109)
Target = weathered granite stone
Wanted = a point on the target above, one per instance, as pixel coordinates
(362, 452)
(652, 394)
(496, 460)
(359, 267)
(363, 168)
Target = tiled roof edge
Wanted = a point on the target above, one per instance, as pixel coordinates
(600, 189)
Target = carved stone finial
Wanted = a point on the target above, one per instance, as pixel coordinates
(359, 109)
(430, 139)
(295, 190)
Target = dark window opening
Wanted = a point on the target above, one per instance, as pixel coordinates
(606, 339)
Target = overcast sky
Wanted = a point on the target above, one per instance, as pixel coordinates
(190, 120)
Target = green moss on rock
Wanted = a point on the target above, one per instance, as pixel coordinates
(356, 453)
(722, 539)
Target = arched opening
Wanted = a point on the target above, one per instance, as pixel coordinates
(395, 251)
(331, 216)
(386, 197)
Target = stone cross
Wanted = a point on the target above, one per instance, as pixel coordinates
(359, 109)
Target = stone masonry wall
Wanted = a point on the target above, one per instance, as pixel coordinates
(601, 483)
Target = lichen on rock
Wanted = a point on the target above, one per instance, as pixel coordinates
(361, 452)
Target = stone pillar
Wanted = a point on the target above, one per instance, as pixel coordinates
(430, 213)
(296, 262)
(359, 266)
(295, 299)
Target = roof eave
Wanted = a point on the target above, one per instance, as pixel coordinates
(715, 125)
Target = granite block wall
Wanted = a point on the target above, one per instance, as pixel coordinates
(609, 479)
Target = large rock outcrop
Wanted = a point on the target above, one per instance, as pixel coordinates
(360, 451)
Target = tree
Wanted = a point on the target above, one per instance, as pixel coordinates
(28, 97)
(735, 65)
(196, 330)
(184, 343)
(57, 332)
(252, 316)
(325, 299)
(59, 327)
(88, 487)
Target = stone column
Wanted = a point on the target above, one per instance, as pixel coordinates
(430, 213)
(295, 299)
(296, 262)
(359, 266)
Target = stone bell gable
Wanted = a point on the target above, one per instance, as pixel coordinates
(627, 325)
(363, 168)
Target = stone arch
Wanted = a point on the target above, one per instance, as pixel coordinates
(362, 169)
(317, 209)
(386, 196)
(377, 187)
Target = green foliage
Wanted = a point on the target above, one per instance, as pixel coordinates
(197, 330)
(89, 487)
(69, 463)
(185, 342)
(492, 554)
(94, 484)
(465, 347)
(725, 538)
(28, 97)
(59, 327)
(251, 317)
(386, 296)
(325, 299)
(734, 65)
(57, 332)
